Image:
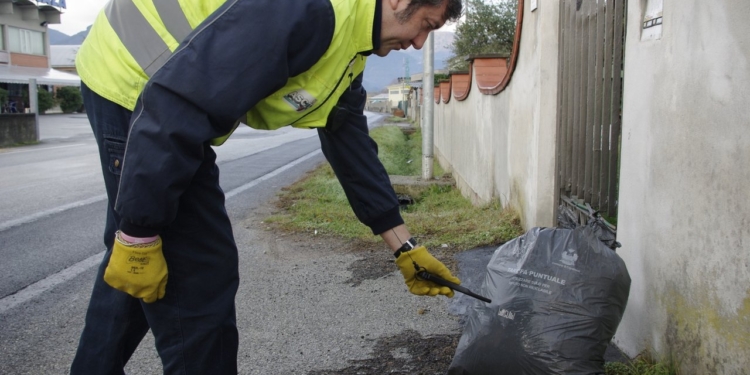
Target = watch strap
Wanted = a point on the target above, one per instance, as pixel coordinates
(408, 245)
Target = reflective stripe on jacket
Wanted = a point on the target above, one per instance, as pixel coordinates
(134, 38)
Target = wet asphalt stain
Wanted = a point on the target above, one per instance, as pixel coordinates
(405, 353)
(373, 264)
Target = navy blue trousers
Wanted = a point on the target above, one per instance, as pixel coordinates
(194, 325)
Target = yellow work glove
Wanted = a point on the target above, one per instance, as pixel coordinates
(137, 269)
(424, 262)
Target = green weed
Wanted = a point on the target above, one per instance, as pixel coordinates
(644, 364)
(440, 215)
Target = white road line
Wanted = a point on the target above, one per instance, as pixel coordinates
(39, 215)
(32, 291)
(69, 273)
(42, 149)
(260, 179)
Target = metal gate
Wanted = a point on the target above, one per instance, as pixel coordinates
(589, 108)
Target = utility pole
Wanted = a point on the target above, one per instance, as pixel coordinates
(428, 106)
(34, 105)
(407, 81)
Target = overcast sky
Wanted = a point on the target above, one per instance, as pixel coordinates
(82, 13)
(78, 15)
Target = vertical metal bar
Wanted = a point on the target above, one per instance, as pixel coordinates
(590, 104)
(576, 103)
(567, 146)
(581, 150)
(597, 124)
(619, 40)
(561, 104)
(607, 102)
(429, 107)
(570, 93)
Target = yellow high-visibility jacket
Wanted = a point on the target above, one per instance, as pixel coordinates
(189, 69)
(135, 38)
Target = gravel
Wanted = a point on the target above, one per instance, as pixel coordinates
(313, 304)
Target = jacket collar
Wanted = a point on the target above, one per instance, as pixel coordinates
(368, 23)
(377, 24)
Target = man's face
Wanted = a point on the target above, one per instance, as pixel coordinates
(399, 32)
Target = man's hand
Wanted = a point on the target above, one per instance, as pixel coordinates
(137, 269)
(419, 259)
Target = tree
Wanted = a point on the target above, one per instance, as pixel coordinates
(3, 96)
(70, 99)
(45, 101)
(487, 27)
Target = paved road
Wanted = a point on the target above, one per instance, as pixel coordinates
(296, 311)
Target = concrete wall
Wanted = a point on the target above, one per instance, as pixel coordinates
(502, 146)
(684, 202)
(17, 129)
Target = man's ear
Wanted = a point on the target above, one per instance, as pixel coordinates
(393, 3)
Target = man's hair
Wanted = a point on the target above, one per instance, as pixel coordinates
(452, 10)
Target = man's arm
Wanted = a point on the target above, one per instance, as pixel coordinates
(243, 52)
(353, 155)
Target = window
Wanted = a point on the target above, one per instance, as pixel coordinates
(2, 43)
(652, 20)
(25, 41)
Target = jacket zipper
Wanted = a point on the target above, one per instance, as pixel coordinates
(348, 68)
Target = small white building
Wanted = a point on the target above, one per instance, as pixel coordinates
(25, 49)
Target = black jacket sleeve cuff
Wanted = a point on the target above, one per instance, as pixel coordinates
(137, 230)
(390, 219)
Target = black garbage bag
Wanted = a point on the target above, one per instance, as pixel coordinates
(568, 218)
(558, 295)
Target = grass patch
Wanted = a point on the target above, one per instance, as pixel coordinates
(440, 214)
(401, 151)
(644, 364)
(317, 204)
(393, 119)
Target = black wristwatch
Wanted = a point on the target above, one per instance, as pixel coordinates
(408, 245)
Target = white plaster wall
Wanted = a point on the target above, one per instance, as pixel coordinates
(684, 201)
(502, 146)
(533, 116)
(468, 134)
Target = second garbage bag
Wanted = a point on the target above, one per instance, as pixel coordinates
(557, 298)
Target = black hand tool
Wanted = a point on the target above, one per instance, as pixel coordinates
(458, 288)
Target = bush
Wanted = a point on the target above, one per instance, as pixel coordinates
(70, 99)
(3, 96)
(45, 101)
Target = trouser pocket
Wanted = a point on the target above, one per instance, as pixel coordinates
(115, 148)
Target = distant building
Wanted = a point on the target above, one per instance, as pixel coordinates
(378, 103)
(417, 77)
(63, 58)
(401, 93)
(25, 50)
(398, 93)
